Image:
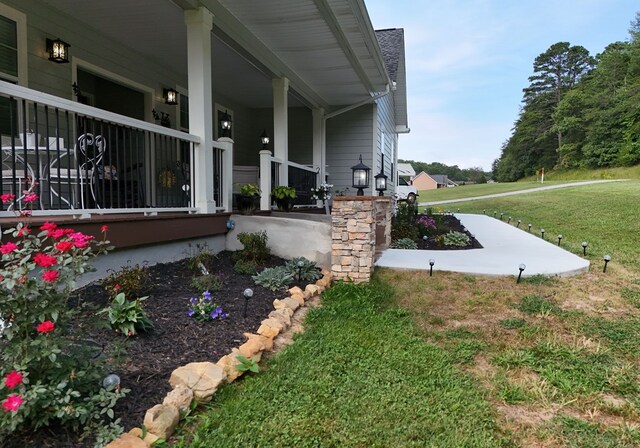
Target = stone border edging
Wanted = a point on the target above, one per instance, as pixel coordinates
(199, 380)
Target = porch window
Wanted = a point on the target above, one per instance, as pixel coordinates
(8, 49)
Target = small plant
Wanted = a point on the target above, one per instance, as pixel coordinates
(283, 192)
(208, 282)
(404, 243)
(255, 246)
(200, 256)
(130, 280)
(245, 267)
(458, 239)
(537, 305)
(247, 364)
(513, 323)
(403, 224)
(303, 268)
(127, 316)
(322, 192)
(250, 190)
(275, 279)
(203, 308)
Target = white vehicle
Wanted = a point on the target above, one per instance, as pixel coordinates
(404, 190)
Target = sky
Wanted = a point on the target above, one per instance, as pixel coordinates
(468, 61)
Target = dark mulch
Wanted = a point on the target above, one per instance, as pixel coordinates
(176, 339)
(450, 223)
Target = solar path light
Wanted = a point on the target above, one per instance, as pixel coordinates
(522, 267)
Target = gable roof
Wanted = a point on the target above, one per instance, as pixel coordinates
(442, 179)
(390, 41)
(421, 173)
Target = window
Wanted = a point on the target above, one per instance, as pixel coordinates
(8, 49)
(184, 112)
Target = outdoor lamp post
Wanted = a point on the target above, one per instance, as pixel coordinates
(522, 267)
(559, 239)
(248, 293)
(225, 124)
(360, 174)
(607, 259)
(381, 183)
(431, 263)
(584, 248)
(264, 138)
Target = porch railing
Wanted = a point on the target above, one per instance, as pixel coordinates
(301, 177)
(86, 159)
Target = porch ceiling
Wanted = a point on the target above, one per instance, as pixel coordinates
(325, 47)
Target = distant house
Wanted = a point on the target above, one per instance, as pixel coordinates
(443, 181)
(424, 182)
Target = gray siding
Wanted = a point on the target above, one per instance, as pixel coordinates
(386, 124)
(348, 136)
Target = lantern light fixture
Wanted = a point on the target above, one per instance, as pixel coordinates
(170, 96)
(360, 176)
(380, 179)
(264, 139)
(58, 51)
(225, 123)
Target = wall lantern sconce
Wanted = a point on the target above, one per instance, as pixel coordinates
(58, 51)
(225, 123)
(380, 180)
(170, 97)
(360, 177)
(264, 138)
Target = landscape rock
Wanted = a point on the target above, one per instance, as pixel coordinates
(149, 438)
(203, 378)
(161, 420)
(273, 323)
(325, 272)
(313, 289)
(255, 345)
(299, 298)
(283, 315)
(291, 303)
(180, 397)
(324, 281)
(228, 363)
(128, 441)
(295, 290)
(268, 331)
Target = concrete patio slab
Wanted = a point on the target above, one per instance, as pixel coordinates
(505, 247)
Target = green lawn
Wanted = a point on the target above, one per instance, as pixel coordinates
(457, 360)
(468, 191)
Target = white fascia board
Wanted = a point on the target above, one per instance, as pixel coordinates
(366, 28)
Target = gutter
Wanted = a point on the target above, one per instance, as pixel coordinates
(358, 104)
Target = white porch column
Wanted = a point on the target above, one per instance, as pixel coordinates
(226, 144)
(281, 126)
(199, 23)
(265, 179)
(319, 150)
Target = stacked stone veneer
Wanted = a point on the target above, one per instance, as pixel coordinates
(361, 225)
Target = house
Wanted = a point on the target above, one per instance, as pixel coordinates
(145, 114)
(424, 182)
(443, 181)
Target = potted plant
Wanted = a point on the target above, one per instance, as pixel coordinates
(284, 197)
(248, 200)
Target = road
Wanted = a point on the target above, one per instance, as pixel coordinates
(511, 193)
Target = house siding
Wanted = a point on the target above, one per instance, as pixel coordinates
(385, 121)
(424, 182)
(348, 136)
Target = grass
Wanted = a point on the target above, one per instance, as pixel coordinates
(468, 191)
(625, 172)
(360, 375)
(459, 360)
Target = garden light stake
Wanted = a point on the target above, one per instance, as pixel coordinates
(431, 263)
(248, 293)
(584, 248)
(522, 267)
(607, 259)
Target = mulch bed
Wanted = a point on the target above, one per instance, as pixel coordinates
(176, 339)
(451, 223)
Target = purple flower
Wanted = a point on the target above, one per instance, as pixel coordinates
(224, 315)
(219, 310)
(193, 300)
(191, 313)
(207, 296)
(214, 314)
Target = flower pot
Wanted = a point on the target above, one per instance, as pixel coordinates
(247, 205)
(285, 204)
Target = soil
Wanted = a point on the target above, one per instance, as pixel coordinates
(451, 223)
(175, 340)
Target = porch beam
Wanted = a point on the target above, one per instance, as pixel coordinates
(199, 24)
(281, 126)
(319, 144)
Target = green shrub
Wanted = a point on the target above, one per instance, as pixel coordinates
(275, 279)
(200, 255)
(404, 231)
(404, 243)
(127, 316)
(209, 282)
(247, 364)
(130, 280)
(306, 269)
(245, 267)
(254, 247)
(458, 239)
(403, 224)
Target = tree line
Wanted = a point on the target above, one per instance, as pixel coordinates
(474, 174)
(578, 111)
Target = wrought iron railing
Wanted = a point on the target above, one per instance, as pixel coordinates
(303, 179)
(83, 158)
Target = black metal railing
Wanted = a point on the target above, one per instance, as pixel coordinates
(303, 180)
(76, 161)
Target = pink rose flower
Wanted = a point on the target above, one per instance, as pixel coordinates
(50, 276)
(12, 403)
(7, 248)
(44, 260)
(104, 229)
(13, 379)
(7, 197)
(64, 246)
(31, 197)
(45, 327)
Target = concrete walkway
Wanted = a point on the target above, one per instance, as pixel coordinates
(511, 193)
(505, 247)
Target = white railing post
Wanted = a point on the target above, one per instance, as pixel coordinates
(226, 144)
(265, 179)
(281, 126)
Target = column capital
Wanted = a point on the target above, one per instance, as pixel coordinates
(201, 16)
